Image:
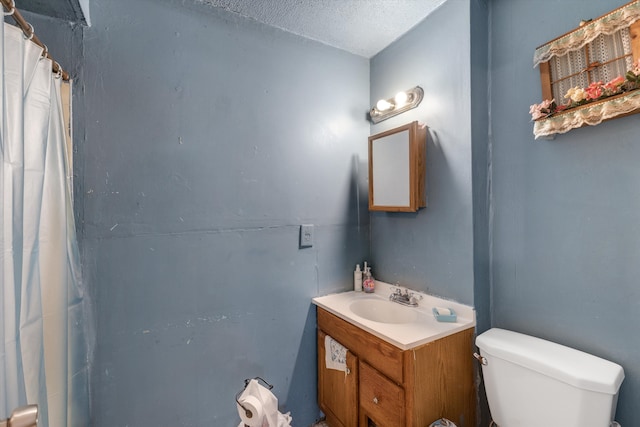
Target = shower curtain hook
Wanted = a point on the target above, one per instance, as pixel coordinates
(45, 51)
(59, 74)
(12, 10)
(32, 30)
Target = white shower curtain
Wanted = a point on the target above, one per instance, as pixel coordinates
(43, 351)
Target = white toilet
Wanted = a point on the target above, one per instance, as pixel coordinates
(532, 382)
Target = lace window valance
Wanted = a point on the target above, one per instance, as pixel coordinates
(588, 115)
(608, 24)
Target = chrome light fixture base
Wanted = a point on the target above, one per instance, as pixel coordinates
(403, 101)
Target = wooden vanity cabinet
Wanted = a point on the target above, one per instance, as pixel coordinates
(390, 387)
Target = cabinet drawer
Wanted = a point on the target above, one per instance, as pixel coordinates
(380, 398)
(383, 356)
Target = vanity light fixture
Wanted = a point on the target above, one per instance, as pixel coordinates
(403, 101)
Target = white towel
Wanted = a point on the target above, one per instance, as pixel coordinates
(335, 354)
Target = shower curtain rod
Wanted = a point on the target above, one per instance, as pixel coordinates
(30, 33)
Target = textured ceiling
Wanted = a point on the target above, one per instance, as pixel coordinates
(363, 27)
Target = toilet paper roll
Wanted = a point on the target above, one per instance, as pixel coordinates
(252, 413)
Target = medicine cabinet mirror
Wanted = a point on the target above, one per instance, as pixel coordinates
(397, 160)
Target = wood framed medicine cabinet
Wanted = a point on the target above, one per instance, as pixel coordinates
(397, 169)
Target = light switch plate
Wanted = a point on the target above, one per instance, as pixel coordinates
(306, 235)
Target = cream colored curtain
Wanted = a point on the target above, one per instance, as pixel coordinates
(43, 351)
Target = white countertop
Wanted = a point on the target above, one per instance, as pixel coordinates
(402, 335)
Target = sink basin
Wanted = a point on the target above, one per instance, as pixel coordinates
(383, 311)
(400, 326)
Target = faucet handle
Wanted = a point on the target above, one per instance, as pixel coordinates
(392, 296)
(413, 298)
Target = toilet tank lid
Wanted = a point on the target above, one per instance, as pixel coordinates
(574, 367)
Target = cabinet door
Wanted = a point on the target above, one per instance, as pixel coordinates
(337, 390)
(381, 401)
(397, 165)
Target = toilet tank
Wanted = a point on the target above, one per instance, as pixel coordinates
(531, 382)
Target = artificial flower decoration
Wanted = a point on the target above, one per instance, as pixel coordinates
(594, 91)
(544, 109)
(633, 75)
(577, 96)
(614, 86)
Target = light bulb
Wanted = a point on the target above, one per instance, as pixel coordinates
(401, 98)
(384, 105)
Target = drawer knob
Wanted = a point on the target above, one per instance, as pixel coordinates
(375, 400)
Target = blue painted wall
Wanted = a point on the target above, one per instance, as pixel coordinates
(208, 140)
(431, 250)
(566, 240)
(480, 153)
(481, 179)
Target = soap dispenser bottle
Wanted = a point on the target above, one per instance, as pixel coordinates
(368, 284)
(357, 279)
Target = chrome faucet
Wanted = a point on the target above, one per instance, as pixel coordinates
(407, 298)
